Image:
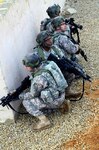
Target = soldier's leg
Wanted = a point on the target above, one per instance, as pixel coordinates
(71, 94)
(49, 96)
(34, 107)
(56, 100)
(65, 107)
(69, 77)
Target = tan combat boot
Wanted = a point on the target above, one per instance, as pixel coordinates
(70, 94)
(43, 123)
(65, 107)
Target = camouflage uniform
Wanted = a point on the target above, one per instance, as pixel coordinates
(58, 53)
(46, 25)
(68, 32)
(64, 43)
(44, 92)
(53, 11)
(44, 54)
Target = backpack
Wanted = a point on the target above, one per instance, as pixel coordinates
(56, 73)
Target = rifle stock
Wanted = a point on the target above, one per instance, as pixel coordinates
(14, 96)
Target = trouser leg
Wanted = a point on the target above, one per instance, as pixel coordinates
(33, 106)
(53, 99)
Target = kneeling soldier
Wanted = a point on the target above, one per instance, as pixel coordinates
(47, 89)
(44, 49)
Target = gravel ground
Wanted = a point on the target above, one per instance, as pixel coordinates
(20, 136)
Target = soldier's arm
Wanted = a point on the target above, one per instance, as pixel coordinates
(57, 51)
(67, 45)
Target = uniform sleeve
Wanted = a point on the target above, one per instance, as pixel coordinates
(67, 45)
(39, 83)
(59, 51)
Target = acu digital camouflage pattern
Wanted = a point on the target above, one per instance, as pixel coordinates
(43, 94)
(64, 43)
(46, 25)
(55, 50)
(43, 54)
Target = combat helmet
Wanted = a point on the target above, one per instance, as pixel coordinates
(53, 10)
(57, 21)
(31, 60)
(42, 36)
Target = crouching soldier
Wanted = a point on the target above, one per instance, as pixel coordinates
(47, 89)
(61, 39)
(44, 49)
(53, 12)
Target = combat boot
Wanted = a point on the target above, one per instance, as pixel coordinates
(70, 94)
(65, 107)
(43, 123)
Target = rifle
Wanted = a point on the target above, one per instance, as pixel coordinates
(14, 96)
(70, 66)
(74, 29)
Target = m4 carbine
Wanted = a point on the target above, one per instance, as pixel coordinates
(15, 95)
(70, 66)
(74, 29)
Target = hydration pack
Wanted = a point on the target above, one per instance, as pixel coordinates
(57, 75)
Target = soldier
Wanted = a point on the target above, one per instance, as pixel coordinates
(47, 89)
(45, 46)
(44, 49)
(61, 40)
(52, 11)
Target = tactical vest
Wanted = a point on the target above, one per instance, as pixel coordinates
(41, 53)
(56, 35)
(56, 73)
(56, 39)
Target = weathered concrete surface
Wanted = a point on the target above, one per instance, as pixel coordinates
(5, 113)
(4, 6)
(19, 26)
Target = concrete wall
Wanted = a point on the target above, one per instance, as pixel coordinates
(18, 30)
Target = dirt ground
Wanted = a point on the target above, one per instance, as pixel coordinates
(88, 140)
(88, 12)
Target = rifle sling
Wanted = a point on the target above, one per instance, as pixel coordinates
(16, 110)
